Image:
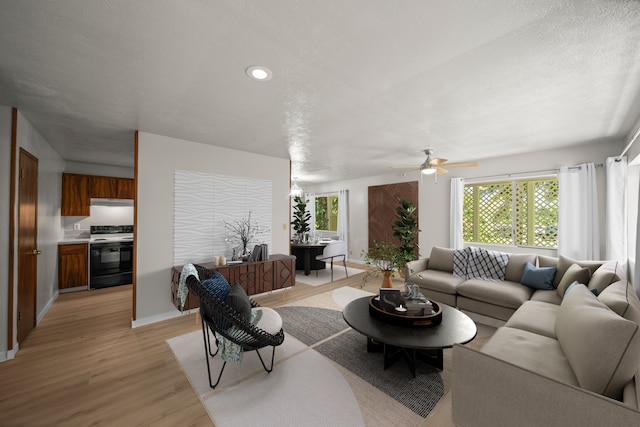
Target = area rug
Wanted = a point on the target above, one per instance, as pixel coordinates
(324, 276)
(322, 375)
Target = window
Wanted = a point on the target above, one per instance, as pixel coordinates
(327, 213)
(522, 212)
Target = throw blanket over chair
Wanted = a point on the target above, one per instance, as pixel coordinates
(238, 323)
(335, 249)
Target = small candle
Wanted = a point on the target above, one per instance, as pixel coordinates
(401, 308)
(222, 260)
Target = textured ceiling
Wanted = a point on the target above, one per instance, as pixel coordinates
(358, 86)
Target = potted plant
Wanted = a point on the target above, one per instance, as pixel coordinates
(385, 258)
(300, 218)
(405, 228)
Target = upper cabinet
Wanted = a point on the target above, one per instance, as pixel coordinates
(75, 195)
(77, 191)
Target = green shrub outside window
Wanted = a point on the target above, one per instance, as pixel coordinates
(327, 213)
(521, 212)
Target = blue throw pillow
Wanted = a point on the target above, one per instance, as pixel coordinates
(218, 286)
(538, 277)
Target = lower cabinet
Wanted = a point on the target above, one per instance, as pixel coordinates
(255, 277)
(73, 265)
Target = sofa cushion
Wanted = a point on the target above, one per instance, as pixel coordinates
(441, 259)
(550, 297)
(574, 273)
(537, 317)
(506, 293)
(605, 275)
(538, 277)
(486, 264)
(602, 347)
(436, 280)
(547, 261)
(564, 263)
(534, 352)
(620, 298)
(515, 266)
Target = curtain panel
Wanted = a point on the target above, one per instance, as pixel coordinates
(457, 204)
(343, 217)
(578, 223)
(616, 209)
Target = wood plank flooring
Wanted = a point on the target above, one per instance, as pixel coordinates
(84, 365)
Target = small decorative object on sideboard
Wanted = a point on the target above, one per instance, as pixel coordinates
(241, 233)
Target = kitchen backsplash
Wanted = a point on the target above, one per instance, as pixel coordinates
(78, 227)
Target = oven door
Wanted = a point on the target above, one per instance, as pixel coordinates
(110, 264)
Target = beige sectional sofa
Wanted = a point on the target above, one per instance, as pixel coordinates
(499, 300)
(564, 357)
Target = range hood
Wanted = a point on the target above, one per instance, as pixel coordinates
(111, 202)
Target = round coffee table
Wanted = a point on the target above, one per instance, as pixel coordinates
(424, 343)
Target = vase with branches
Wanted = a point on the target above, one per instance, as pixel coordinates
(242, 232)
(384, 258)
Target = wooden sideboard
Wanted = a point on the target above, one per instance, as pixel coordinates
(255, 277)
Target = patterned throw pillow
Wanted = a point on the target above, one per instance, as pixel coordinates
(486, 265)
(218, 286)
(460, 262)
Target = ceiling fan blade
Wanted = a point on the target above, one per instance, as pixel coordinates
(437, 161)
(461, 164)
(405, 167)
(441, 171)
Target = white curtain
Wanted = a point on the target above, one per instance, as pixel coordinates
(457, 203)
(616, 208)
(311, 208)
(578, 224)
(343, 217)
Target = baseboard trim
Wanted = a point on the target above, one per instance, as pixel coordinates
(46, 308)
(160, 317)
(8, 355)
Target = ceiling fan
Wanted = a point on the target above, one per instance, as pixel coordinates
(435, 165)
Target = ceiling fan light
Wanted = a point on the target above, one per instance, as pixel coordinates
(428, 171)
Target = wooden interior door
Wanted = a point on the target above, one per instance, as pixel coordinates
(383, 201)
(27, 243)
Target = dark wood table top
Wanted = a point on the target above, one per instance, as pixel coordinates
(456, 328)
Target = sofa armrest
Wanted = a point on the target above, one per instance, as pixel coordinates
(490, 392)
(413, 267)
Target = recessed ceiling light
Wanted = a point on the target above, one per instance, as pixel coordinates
(259, 73)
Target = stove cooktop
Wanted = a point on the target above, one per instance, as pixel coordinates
(111, 233)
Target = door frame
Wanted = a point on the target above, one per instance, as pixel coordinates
(12, 229)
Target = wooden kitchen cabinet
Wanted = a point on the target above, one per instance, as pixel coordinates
(126, 188)
(78, 189)
(73, 265)
(75, 195)
(103, 187)
(108, 187)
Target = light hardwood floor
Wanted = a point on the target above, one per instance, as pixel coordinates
(84, 365)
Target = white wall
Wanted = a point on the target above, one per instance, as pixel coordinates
(158, 158)
(434, 198)
(100, 170)
(5, 180)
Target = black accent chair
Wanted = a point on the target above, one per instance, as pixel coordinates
(218, 316)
